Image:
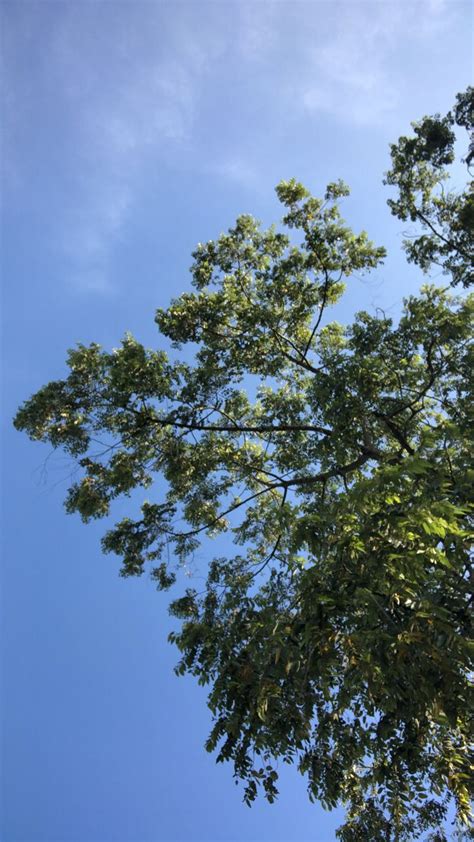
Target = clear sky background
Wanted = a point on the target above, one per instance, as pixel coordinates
(131, 131)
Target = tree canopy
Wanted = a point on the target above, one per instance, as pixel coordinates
(336, 635)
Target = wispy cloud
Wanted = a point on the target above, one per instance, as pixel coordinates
(355, 68)
(121, 93)
(129, 86)
(144, 102)
(257, 30)
(237, 169)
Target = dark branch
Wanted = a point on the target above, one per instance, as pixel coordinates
(198, 426)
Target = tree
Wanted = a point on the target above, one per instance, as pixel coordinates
(337, 459)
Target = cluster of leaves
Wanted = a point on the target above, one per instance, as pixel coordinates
(338, 637)
(419, 171)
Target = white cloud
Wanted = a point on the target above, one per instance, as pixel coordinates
(122, 92)
(135, 94)
(257, 29)
(128, 104)
(126, 85)
(353, 63)
(237, 169)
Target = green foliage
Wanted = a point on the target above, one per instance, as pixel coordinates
(338, 460)
(419, 172)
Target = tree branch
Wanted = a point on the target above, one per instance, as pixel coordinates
(320, 316)
(449, 243)
(234, 428)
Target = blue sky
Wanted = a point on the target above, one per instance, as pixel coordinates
(131, 131)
